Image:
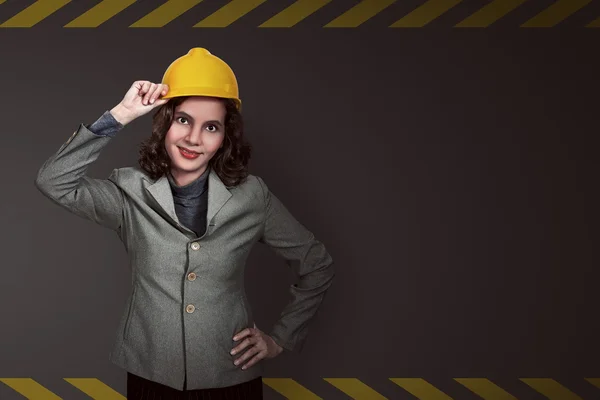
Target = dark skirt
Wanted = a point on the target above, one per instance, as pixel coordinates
(141, 388)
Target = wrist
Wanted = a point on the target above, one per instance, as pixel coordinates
(121, 114)
(278, 348)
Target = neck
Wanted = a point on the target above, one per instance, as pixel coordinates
(183, 178)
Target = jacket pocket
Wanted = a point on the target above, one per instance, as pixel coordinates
(129, 313)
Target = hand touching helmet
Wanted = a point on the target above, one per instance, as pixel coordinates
(141, 98)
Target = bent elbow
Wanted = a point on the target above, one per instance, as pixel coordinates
(41, 183)
(46, 184)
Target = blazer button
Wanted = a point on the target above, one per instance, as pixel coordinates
(195, 246)
(192, 276)
(190, 308)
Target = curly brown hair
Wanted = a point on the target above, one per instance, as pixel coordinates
(230, 162)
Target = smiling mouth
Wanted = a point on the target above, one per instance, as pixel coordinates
(188, 151)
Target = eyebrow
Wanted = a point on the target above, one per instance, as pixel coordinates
(188, 116)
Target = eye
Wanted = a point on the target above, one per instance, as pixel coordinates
(214, 126)
(181, 118)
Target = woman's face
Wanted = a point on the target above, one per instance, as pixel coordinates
(198, 126)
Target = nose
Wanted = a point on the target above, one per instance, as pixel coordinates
(194, 136)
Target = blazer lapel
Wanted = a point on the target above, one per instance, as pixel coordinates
(161, 192)
(218, 194)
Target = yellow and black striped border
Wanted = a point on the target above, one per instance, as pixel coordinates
(362, 11)
(351, 387)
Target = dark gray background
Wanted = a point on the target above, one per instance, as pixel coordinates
(451, 173)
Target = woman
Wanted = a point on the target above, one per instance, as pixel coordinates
(188, 217)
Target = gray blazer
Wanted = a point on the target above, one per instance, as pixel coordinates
(187, 298)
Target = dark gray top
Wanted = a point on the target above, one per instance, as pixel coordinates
(191, 200)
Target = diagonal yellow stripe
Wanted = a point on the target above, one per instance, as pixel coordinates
(355, 388)
(485, 389)
(294, 13)
(360, 13)
(594, 24)
(290, 389)
(594, 381)
(164, 14)
(34, 13)
(425, 13)
(2, 1)
(95, 389)
(421, 389)
(550, 388)
(489, 14)
(29, 388)
(99, 14)
(557, 12)
(229, 13)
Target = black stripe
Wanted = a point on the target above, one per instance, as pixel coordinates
(141, 388)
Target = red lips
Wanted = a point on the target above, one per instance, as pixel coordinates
(188, 153)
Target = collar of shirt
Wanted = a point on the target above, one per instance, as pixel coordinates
(193, 189)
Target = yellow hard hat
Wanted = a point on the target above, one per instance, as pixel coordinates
(199, 73)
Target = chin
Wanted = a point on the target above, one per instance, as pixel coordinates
(188, 168)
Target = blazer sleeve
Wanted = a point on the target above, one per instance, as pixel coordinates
(62, 178)
(311, 263)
